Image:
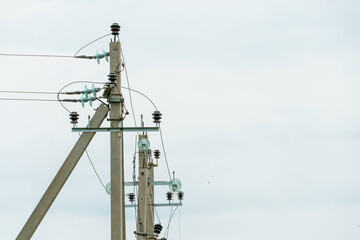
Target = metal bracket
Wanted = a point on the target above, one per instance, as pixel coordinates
(122, 129)
(144, 234)
(157, 205)
(113, 99)
(151, 183)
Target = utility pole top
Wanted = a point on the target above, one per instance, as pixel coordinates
(115, 29)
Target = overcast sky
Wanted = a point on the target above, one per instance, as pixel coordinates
(260, 106)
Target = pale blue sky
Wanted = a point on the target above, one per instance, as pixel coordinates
(259, 98)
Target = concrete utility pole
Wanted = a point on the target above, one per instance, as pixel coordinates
(117, 143)
(63, 174)
(145, 221)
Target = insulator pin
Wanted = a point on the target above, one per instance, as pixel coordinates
(131, 197)
(157, 116)
(180, 195)
(157, 228)
(115, 29)
(74, 117)
(112, 77)
(169, 196)
(157, 154)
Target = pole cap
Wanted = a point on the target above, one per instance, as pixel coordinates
(115, 29)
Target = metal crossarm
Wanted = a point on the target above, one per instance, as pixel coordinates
(123, 129)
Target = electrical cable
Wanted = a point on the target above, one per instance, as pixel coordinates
(34, 55)
(157, 215)
(130, 89)
(29, 99)
(91, 43)
(128, 83)
(21, 92)
(163, 147)
(59, 92)
(92, 164)
(166, 234)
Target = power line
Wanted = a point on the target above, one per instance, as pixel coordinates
(128, 82)
(58, 93)
(30, 99)
(91, 43)
(26, 92)
(35, 55)
(163, 147)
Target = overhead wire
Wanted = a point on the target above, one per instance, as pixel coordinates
(166, 233)
(87, 153)
(133, 111)
(30, 99)
(27, 92)
(59, 92)
(91, 43)
(163, 147)
(129, 88)
(34, 55)
(161, 136)
(93, 166)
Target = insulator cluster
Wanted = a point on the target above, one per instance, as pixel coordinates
(115, 29)
(131, 197)
(112, 77)
(74, 117)
(157, 154)
(180, 195)
(169, 196)
(157, 228)
(157, 116)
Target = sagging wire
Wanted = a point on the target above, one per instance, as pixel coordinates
(161, 137)
(166, 233)
(34, 55)
(60, 91)
(26, 92)
(91, 43)
(29, 99)
(128, 83)
(93, 166)
(87, 154)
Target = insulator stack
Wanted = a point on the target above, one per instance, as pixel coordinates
(112, 77)
(157, 116)
(180, 195)
(74, 117)
(115, 29)
(157, 154)
(169, 196)
(131, 197)
(157, 228)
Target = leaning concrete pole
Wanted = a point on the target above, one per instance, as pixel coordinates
(116, 143)
(63, 174)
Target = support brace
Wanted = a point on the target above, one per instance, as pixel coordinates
(63, 174)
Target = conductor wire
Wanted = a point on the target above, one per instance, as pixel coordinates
(34, 55)
(69, 85)
(91, 43)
